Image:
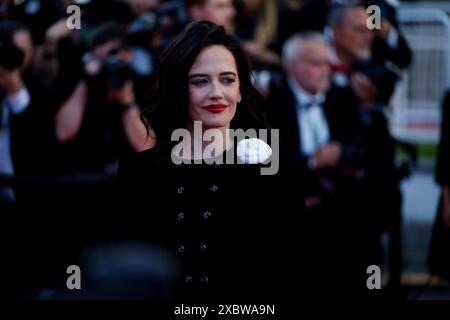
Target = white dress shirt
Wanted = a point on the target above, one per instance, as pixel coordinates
(314, 130)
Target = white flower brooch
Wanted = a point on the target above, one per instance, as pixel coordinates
(253, 151)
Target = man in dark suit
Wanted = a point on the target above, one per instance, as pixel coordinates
(389, 47)
(296, 107)
(361, 88)
(317, 134)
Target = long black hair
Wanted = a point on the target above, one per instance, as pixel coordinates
(170, 93)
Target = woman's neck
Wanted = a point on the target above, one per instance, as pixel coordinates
(208, 142)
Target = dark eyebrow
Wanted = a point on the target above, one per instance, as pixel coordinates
(227, 73)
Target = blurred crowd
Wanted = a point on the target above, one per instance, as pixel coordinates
(71, 97)
(74, 95)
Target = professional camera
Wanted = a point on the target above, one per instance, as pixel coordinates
(11, 57)
(383, 78)
(387, 9)
(168, 17)
(116, 72)
(113, 72)
(376, 72)
(171, 13)
(142, 29)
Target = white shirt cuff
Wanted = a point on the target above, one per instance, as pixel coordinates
(19, 100)
(392, 39)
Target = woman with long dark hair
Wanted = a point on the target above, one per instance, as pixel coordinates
(208, 199)
(170, 110)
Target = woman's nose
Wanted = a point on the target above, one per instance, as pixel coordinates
(216, 92)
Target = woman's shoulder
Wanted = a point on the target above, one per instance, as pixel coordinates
(246, 157)
(155, 155)
(143, 162)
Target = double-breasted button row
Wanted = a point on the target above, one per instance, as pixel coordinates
(182, 248)
(190, 279)
(214, 188)
(180, 216)
(180, 190)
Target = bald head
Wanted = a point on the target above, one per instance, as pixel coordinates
(305, 59)
(296, 43)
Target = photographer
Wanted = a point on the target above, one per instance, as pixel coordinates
(390, 46)
(15, 43)
(174, 15)
(168, 18)
(100, 121)
(361, 84)
(356, 104)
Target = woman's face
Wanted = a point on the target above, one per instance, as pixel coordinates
(213, 88)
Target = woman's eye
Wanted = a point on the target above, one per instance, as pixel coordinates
(228, 80)
(199, 82)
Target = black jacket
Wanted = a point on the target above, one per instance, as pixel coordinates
(227, 225)
(282, 115)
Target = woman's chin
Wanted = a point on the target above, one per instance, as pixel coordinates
(214, 122)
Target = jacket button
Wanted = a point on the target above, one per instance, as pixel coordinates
(180, 190)
(203, 247)
(204, 279)
(181, 248)
(214, 188)
(180, 216)
(188, 278)
(206, 214)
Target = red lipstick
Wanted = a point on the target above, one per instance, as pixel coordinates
(216, 108)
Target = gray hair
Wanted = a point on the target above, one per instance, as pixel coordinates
(336, 16)
(294, 44)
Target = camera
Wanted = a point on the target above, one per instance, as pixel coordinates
(376, 72)
(142, 29)
(112, 73)
(383, 78)
(11, 57)
(387, 10)
(171, 13)
(111, 69)
(116, 72)
(166, 18)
